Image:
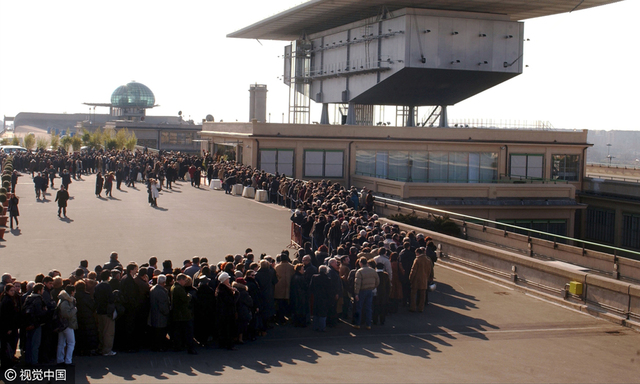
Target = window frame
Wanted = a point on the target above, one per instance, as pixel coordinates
(324, 163)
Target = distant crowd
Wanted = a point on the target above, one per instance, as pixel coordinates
(350, 267)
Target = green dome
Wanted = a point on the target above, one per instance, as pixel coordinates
(133, 95)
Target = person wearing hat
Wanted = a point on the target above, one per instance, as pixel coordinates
(244, 308)
(226, 299)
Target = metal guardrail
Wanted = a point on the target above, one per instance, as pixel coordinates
(477, 220)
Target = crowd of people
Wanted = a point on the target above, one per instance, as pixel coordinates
(350, 266)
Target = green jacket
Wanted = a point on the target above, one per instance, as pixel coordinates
(180, 303)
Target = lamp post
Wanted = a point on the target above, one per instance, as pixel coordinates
(608, 154)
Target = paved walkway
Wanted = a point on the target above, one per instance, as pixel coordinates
(473, 331)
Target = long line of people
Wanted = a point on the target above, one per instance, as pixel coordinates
(350, 267)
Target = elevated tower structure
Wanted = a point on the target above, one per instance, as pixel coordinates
(406, 53)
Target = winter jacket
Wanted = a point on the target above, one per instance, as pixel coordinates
(67, 310)
(284, 272)
(366, 279)
(420, 271)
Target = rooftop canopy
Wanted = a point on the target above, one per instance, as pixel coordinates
(320, 15)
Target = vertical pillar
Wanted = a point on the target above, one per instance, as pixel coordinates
(411, 121)
(443, 117)
(324, 117)
(351, 114)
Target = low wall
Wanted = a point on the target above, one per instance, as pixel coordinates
(608, 265)
(602, 296)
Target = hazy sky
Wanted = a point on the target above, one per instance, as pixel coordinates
(582, 67)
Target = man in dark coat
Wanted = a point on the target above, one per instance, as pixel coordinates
(87, 332)
(298, 297)
(62, 197)
(13, 209)
(105, 306)
(407, 256)
(133, 298)
(226, 299)
(181, 316)
(320, 289)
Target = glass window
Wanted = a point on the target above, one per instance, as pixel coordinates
(333, 163)
(631, 230)
(399, 166)
(458, 167)
(313, 163)
(488, 167)
(419, 164)
(268, 160)
(285, 162)
(527, 166)
(474, 168)
(366, 163)
(320, 163)
(382, 160)
(600, 224)
(438, 164)
(566, 167)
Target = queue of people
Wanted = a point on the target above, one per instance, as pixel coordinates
(350, 267)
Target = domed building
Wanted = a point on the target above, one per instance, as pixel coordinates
(130, 101)
(127, 109)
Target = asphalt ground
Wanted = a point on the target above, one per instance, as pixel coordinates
(473, 331)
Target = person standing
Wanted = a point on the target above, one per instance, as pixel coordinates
(9, 324)
(105, 307)
(160, 309)
(67, 312)
(366, 280)
(154, 192)
(419, 279)
(99, 184)
(13, 209)
(14, 181)
(108, 184)
(181, 316)
(66, 179)
(62, 197)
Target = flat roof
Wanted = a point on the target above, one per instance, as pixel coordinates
(320, 15)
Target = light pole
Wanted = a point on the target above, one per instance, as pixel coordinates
(608, 154)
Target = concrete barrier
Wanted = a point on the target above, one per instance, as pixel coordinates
(602, 296)
(605, 264)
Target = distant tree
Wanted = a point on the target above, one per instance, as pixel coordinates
(54, 141)
(5, 141)
(65, 141)
(76, 143)
(132, 141)
(95, 139)
(42, 142)
(15, 140)
(108, 135)
(86, 137)
(29, 141)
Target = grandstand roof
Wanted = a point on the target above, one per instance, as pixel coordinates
(320, 15)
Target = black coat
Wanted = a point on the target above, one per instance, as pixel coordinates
(320, 288)
(299, 294)
(265, 280)
(87, 332)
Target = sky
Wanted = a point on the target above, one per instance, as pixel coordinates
(581, 67)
